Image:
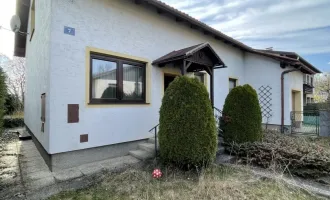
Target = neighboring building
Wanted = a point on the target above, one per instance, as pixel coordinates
(308, 89)
(308, 84)
(101, 68)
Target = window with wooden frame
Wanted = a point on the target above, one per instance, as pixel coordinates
(200, 76)
(232, 83)
(32, 19)
(116, 80)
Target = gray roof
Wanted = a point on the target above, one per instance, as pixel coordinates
(186, 52)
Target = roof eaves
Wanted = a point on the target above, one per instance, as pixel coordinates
(194, 21)
(160, 61)
(200, 46)
(299, 58)
(309, 65)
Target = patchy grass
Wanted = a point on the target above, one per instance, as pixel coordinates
(216, 182)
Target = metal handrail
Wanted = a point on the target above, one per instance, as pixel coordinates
(217, 116)
(217, 109)
(155, 131)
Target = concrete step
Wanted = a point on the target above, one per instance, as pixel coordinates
(150, 147)
(224, 158)
(142, 154)
(152, 140)
(24, 135)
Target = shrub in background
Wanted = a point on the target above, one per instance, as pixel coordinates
(13, 121)
(187, 130)
(12, 104)
(241, 120)
(3, 94)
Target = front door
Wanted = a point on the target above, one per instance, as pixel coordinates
(168, 78)
(293, 101)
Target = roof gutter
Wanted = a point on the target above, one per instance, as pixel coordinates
(282, 95)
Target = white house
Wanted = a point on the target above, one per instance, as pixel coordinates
(96, 72)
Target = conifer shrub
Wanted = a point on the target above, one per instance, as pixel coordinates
(241, 120)
(187, 131)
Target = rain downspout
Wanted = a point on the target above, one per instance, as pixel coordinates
(282, 95)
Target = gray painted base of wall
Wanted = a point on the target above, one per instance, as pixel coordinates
(65, 160)
(45, 155)
(75, 158)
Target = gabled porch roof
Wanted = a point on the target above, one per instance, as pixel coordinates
(204, 48)
(200, 57)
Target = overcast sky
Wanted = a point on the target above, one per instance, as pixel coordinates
(302, 26)
(7, 9)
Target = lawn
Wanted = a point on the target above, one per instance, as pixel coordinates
(216, 182)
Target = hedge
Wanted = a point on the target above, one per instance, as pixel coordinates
(241, 120)
(13, 122)
(187, 131)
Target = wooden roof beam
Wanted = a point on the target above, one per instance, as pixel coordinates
(160, 11)
(138, 2)
(178, 19)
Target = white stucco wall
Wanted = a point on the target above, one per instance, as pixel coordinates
(262, 71)
(124, 27)
(56, 66)
(37, 72)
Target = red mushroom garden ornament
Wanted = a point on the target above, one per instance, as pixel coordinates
(157, 173)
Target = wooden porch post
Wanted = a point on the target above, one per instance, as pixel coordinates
(183, 68)
(212, 86)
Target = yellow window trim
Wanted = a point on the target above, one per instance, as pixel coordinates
(205, 78)
(176, 72)
(90, 50)
(32, 20)
(298, 102)
(168, 71)
(234, 78)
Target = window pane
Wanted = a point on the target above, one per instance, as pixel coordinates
(200, 77)
(133, 82)
(232, 84)
(104, 79)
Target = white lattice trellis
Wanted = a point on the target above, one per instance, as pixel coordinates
(265, 101)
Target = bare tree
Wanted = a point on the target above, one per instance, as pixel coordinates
(322, 87)
(15, 70)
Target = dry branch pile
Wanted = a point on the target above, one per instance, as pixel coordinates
(298, 156)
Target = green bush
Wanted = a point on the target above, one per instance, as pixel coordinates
(3, 94)
(13, 122)
(187, 131)
(11, 104)
(242, 116)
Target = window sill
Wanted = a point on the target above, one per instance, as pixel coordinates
(31, 35)
(119, 104)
